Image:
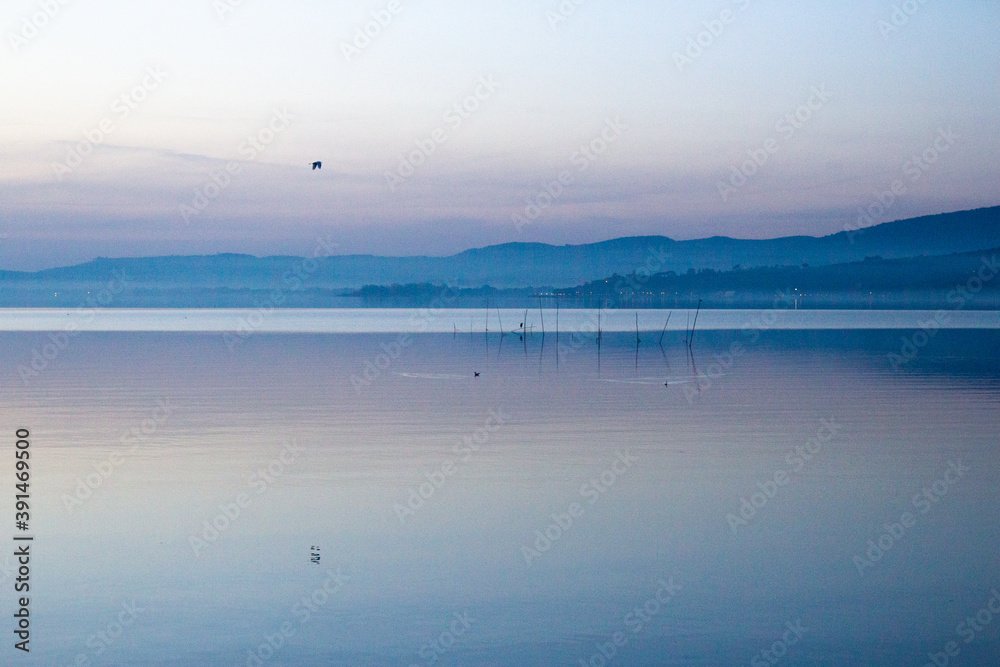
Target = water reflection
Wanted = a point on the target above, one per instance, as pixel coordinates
(524, 516)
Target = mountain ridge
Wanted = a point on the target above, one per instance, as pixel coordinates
(522, 264)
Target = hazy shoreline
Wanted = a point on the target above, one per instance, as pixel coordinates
(458, 321)
(443, 298)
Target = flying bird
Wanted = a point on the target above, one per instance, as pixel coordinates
(317, 165)
(477, 374)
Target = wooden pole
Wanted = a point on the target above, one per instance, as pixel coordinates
(665, 327)
(599, 324)
(695, 323)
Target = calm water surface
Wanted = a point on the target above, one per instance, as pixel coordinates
(521, 517)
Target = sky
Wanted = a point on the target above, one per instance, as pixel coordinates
(188, 127)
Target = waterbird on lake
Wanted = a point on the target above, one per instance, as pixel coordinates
(317, 165)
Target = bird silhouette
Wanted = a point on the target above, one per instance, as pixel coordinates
(477, 373)
(317, 165)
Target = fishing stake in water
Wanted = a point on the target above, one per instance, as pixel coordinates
(691, 342)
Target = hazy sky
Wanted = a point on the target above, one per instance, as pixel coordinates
(171, 94)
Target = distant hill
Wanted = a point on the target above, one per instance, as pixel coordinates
(959, 280)
(190, 279)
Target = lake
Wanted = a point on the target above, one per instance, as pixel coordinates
(795, 488)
